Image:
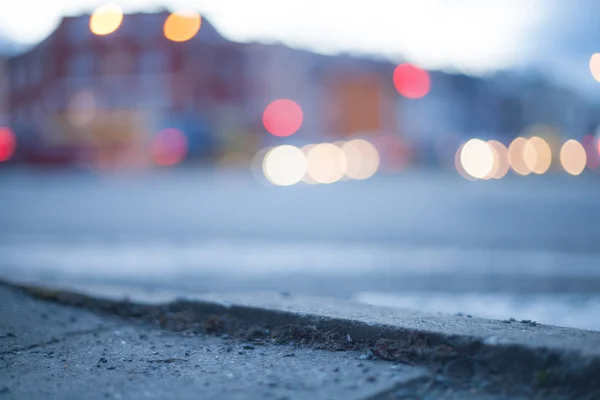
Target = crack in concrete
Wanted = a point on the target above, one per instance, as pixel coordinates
(54, 340)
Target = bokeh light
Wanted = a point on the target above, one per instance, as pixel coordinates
(106, 19)
(362, 159)
(573, 157)
(515, 156)
(458, 164)
(8, 143)
(537, 155)
(500, 167)
(284, 165)
(595, 66)
(82, 108)
(282, 117)
(411, 82)
(477, 158)
(307, 178)
(182, 26)
(327, 163)
(169, 147)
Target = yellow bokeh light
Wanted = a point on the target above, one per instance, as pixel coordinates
(515, 156)
(595, 66)
(537, 155)
(573, 157)
(181, 26)
(500, 167)
(477, 158)
(284, 165)
(327, 163)
(106, 19)
(362, 159)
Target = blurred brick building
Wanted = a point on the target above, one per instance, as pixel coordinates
(76, 89)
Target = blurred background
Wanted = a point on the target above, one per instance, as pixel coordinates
(440, 155)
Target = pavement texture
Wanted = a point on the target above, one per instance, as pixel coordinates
(93, 344)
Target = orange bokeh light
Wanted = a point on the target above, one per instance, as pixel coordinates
(501, 166)
(282, 117)
(169, 147)
(106, 19)
(181, 26)
(516, 158)
(573, 157)
(411, 82)
(8, 143)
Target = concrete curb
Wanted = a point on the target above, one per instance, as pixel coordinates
(507, 352)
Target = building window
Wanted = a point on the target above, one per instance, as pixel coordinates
(81, 65)
(152, 61)
(154, 91)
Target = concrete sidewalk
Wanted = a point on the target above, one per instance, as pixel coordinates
(66, 345)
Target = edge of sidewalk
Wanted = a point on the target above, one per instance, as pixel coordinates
(509, 352)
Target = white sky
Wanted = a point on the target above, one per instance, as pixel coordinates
(468, 35)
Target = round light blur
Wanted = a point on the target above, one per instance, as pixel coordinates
(169, 147)
(515, 156)
(477, 158)
(182, 26)
(307, 178)
(595, 66)
(362, 158)
(327, 163)
(537, 155)
(501, 167)
(282, 117)
(8, 143)
(106, 19)
(573, 157)
(284, 165)
(458, 165)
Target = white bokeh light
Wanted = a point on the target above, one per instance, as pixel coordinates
(477, 158)
(284, 165)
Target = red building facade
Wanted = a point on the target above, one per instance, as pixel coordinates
(135, 77)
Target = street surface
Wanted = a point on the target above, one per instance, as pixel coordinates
(527, 248)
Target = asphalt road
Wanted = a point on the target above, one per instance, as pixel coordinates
(520, 247)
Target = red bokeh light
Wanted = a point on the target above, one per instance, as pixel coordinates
(8, 143)
(411, 82)
(282, 117)
(169, 147)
